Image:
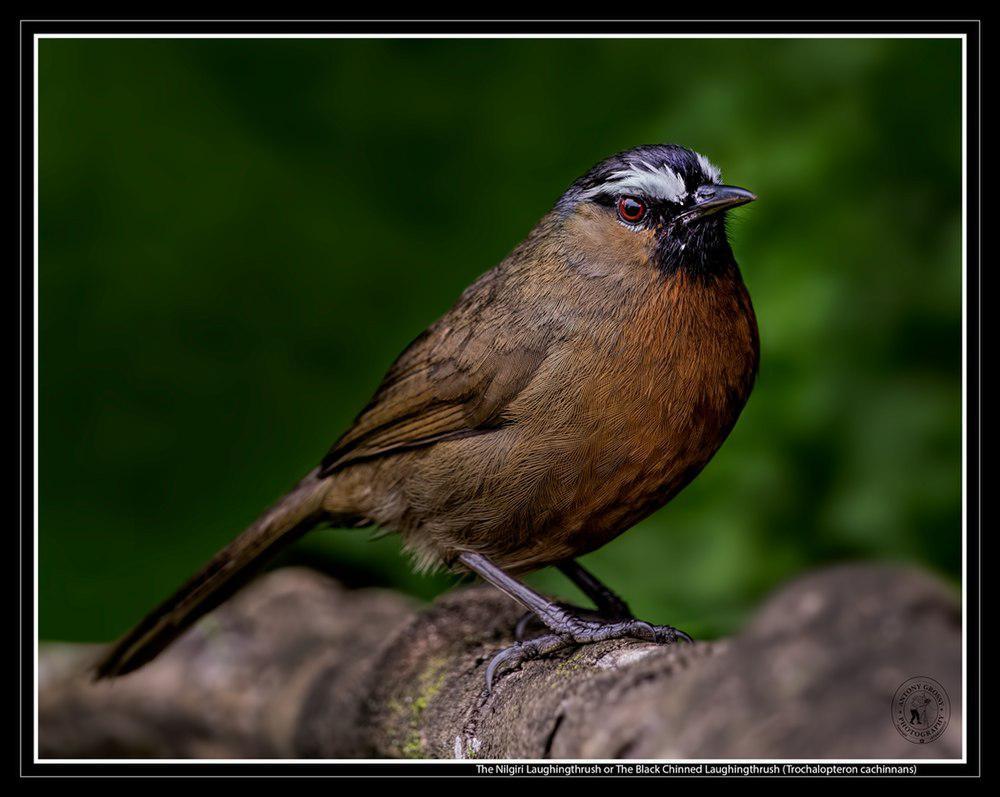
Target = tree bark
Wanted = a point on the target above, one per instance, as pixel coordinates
(296, 666)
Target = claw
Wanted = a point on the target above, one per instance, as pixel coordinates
(522, 652)
(496, 661)
(667, 634)
(522, 626)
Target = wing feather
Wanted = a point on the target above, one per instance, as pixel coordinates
(455, 379)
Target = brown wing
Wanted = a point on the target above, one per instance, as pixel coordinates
(454, 380)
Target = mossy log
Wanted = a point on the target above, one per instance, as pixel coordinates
(296, 666)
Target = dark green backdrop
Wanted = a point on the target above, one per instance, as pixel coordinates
(238, 236)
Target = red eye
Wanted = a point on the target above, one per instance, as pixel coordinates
(631, 209)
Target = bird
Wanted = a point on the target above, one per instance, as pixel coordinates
(571, 391)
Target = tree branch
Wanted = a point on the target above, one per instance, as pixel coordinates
(296, 666)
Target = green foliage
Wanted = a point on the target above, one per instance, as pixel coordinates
(238, 236)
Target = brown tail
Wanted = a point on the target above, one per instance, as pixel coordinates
(228, 570)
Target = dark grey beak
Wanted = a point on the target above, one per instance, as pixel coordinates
(709, 199)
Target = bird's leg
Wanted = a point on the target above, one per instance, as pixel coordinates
(606, 601)
(609, 605)
(567, 626)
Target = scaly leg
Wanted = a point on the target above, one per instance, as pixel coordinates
(606, 601)
(568, 627)
(608, 604)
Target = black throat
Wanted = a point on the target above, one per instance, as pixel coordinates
(701, 248)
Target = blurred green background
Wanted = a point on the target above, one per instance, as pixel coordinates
(238, 236)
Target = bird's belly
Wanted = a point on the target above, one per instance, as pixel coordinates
(534, 495)
(636, 477)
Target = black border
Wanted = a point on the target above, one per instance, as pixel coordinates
(28, 28)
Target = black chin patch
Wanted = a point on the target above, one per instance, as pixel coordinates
(700, 248)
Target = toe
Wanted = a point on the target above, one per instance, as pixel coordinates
(667, 635)
(640, 629)
(517, 654)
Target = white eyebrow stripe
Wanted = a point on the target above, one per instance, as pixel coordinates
(647, 179)
(709, 169)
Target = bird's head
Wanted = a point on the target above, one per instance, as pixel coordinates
(661, 205)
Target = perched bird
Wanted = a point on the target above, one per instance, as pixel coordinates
(570, 392)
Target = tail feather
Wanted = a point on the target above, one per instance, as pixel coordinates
(227, 571)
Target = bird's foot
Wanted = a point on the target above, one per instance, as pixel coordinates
(529, 621)
(520, 652)
(572, 629)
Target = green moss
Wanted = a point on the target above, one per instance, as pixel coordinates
(414, 747)
(410, 709)
(571, 663)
